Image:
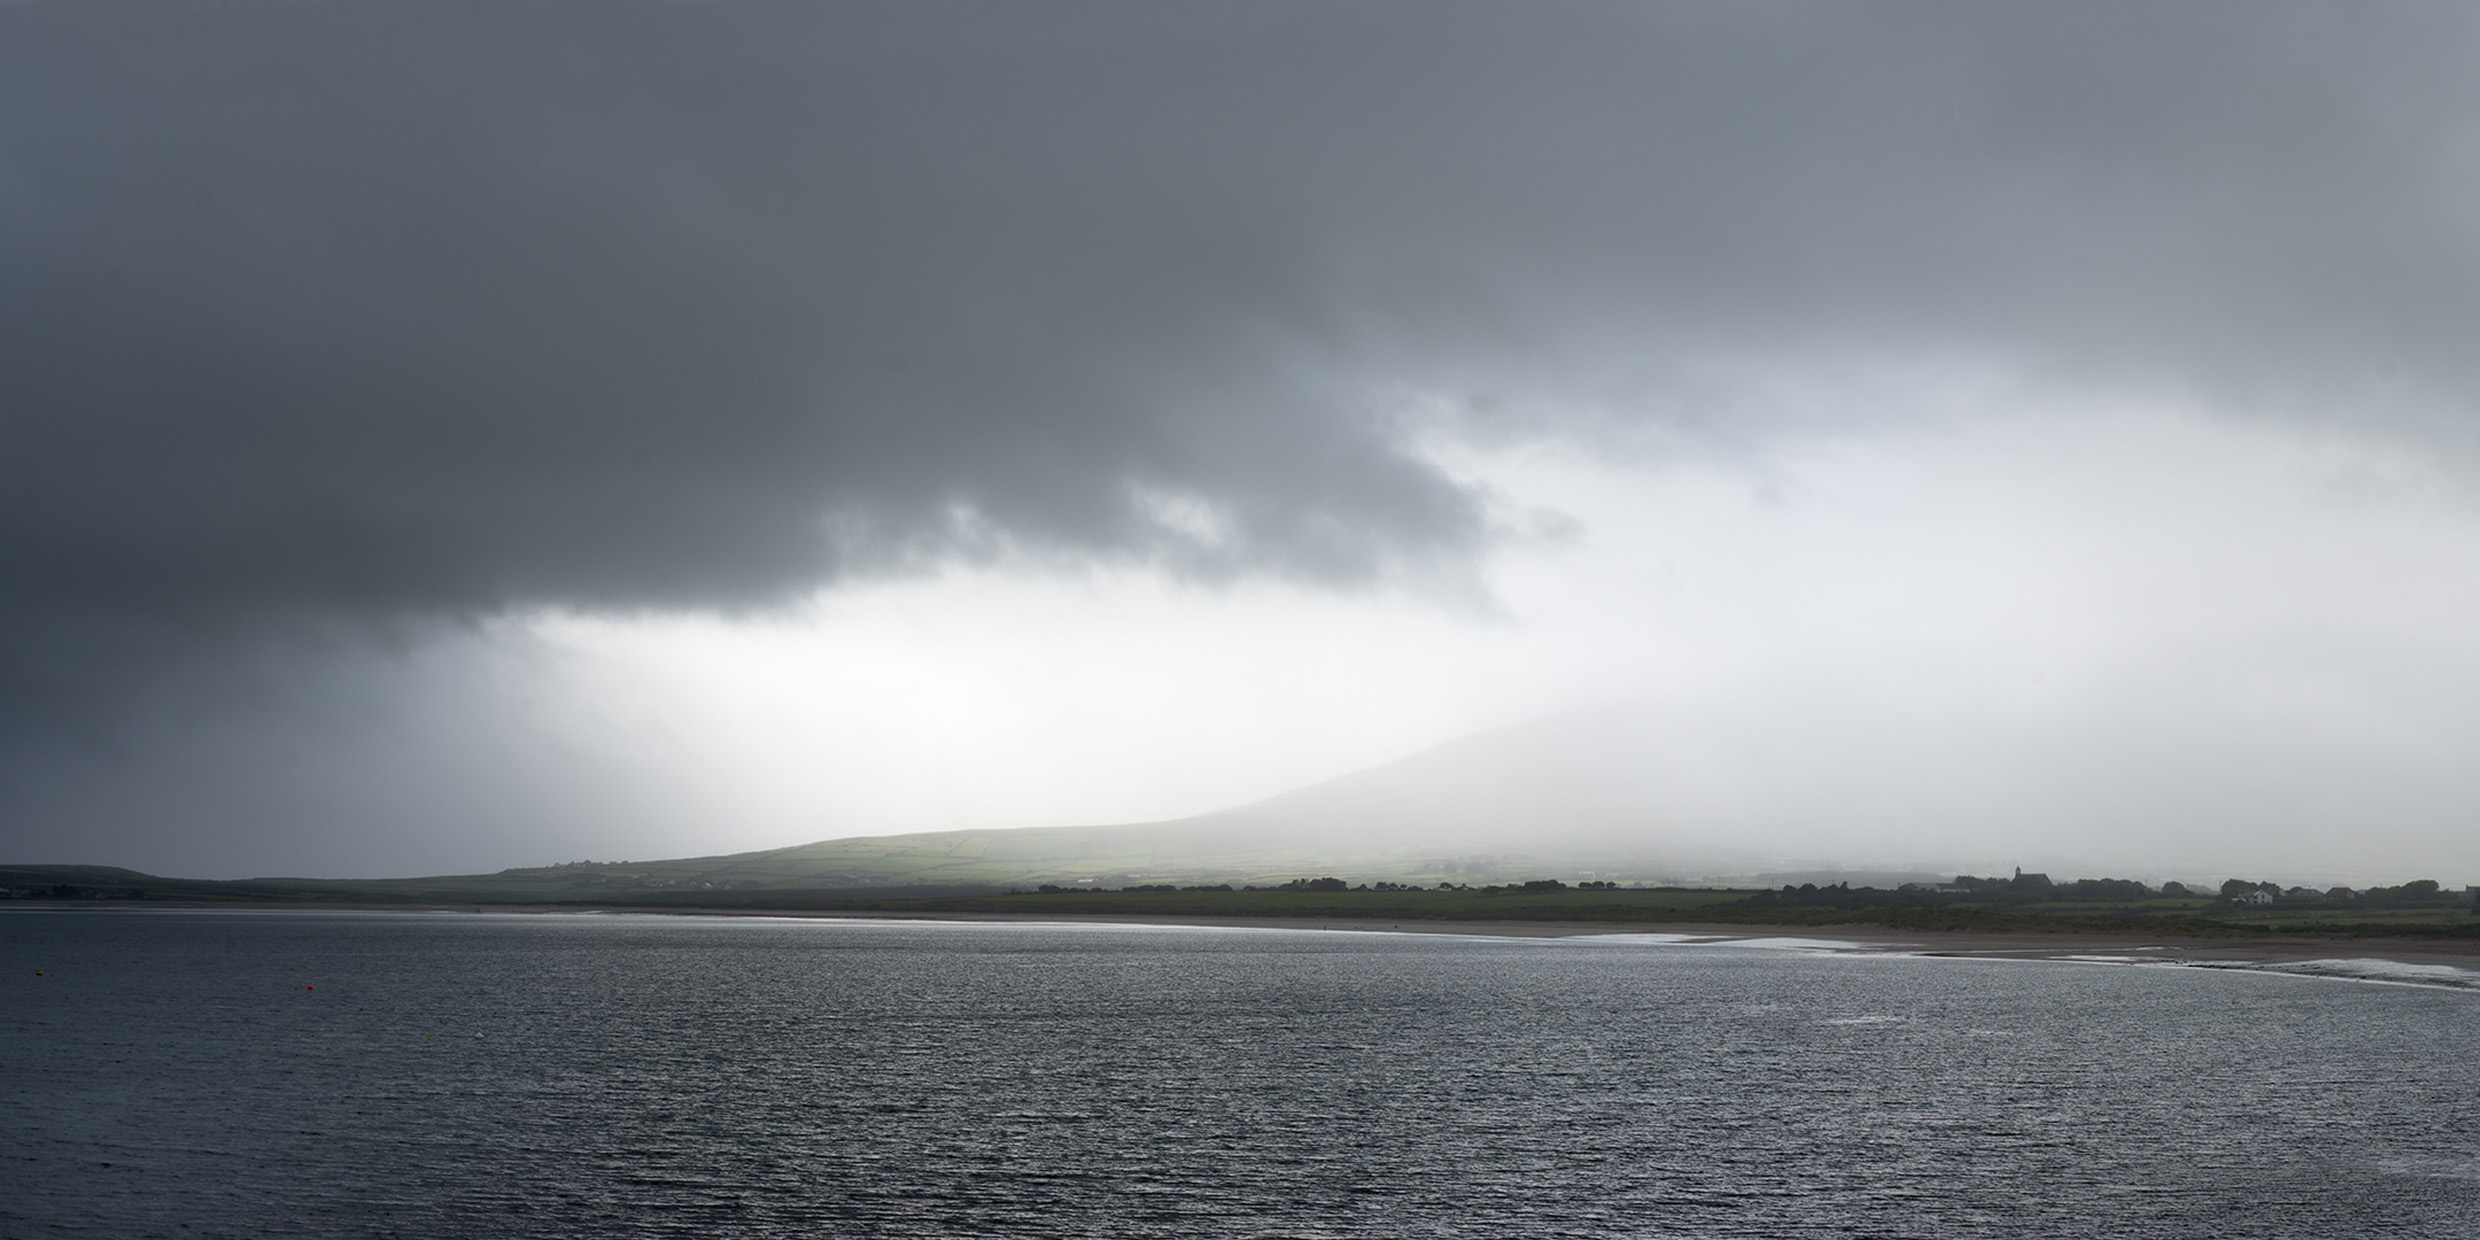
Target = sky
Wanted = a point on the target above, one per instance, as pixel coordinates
(441, 437)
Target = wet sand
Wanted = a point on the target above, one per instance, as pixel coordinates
(2461, 953)
(2232, 952)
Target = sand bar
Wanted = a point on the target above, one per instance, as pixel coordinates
(2241, 951)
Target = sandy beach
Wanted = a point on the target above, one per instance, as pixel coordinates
(2453, 963)
(2270, 950)
(2300, 953)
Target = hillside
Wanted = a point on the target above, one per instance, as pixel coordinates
(1532, 801)
(1550, 798)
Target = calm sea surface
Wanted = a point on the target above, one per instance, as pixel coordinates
(437, 1075)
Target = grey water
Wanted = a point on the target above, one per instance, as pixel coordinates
(203, 1074)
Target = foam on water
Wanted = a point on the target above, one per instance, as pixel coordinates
(1786, 943)
(2362, 969)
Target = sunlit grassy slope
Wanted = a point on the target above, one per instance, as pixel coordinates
(1184, 853)
(1180, 853)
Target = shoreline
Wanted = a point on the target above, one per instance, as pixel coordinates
(1971, 944)
(2235, 952)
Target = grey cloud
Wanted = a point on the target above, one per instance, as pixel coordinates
(436, 310)
(297, 751)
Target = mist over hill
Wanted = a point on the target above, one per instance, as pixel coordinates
(1647, 793)
(1829, 779)
(1639, 793)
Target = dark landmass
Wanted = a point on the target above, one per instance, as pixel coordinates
(2020, 905)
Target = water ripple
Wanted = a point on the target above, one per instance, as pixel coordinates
(169, 1075)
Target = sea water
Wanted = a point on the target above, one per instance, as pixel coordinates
(199, 1074)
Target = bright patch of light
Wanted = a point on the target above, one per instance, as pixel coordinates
(1831, 626)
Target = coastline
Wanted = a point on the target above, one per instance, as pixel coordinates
(1859, 937)
(2231, 951)
(2433, 962)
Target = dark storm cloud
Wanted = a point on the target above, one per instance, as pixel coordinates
(429, 311)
